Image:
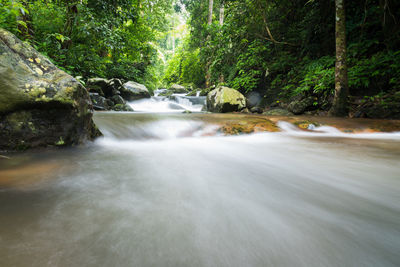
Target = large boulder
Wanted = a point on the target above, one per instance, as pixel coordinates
(224, 99)
(40, 105)
(133, 91)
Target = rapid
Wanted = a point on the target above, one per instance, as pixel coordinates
(160, 189)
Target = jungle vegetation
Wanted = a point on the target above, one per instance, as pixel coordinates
(281, 50)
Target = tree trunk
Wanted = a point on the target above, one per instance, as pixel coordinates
(221, 13)
(71, 14)
(210, 11)
(210, 14)
(340, 102)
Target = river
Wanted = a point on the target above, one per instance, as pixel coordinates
(160, 190)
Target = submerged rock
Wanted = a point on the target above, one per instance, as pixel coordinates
(40, 105)
(278, 112)
(224, 99)
(133, 91)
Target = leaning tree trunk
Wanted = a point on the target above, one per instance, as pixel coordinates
(340, 102)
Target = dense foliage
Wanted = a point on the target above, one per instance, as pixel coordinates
(286, 48)
(282, 49)
(90, 38)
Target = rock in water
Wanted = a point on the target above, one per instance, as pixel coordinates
(278, 112)
(224, 99)
(177, 89)
(40, 105)
(133, 91)
(99, 102)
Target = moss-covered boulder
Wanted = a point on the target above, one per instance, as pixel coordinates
(224, 99)
(40, 105)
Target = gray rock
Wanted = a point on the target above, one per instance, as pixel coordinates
(256, 110)
(177, 89)
(40, 105)
(117, 99)
(300, 106)
(97, 85)
(122, 107)
(133, 91)
(224, 99)
(99, 102)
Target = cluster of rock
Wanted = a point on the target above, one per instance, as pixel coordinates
(224, 99)
(40, 105)
(113, 94)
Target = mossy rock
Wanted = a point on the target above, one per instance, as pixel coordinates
(39, 103)
(224, 99)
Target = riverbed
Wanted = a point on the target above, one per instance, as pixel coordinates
(172, 190)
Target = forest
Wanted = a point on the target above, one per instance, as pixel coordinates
(227, 133)
(280, 51)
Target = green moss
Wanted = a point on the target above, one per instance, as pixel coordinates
(60, 142)
(231, 96)
(36, 91)
(19, 119)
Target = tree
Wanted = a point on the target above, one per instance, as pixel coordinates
(210, 11)
(340, 102)
(209, 23)
(221, 13)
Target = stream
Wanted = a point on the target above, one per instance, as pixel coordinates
(159, 190)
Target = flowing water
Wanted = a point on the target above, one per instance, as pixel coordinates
(169, 104)
(156, 190)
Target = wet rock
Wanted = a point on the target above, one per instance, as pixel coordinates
(177, 89)
(104, 87)
(99, 102)
(133, 91)
(256, 110)
(109, 103)
(278, 112)
(122, 107)
(97, 85)
(115, 84)
(224, 99)
(40, 105)
(117, 99)
(300, 106)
